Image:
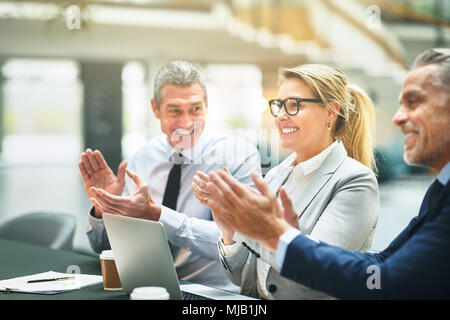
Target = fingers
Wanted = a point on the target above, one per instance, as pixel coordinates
(203, 201)
(285, 200)
(203, 176)
(290, 215)
(108, 198)
(261, 184)
(93, 161)
(238, 188)
(137, 180)
(83, 171)
(214, 192)
(121, 171)
(108, 202)
(87, 164)
(252, 190)
(199, 183)
(221, 215)
(100, 160)
(96, 204)
(222, 192)
(103, 207)
(198, 186)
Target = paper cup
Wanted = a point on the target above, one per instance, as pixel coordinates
(149, 293)
(111, 280)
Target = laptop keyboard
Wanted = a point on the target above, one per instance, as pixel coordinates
(192, 296)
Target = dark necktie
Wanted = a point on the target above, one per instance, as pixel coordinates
(173, 184)
(171, 192)
(434, 192)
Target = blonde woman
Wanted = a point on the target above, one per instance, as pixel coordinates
(328, 124)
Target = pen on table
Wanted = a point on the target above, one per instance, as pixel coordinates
(53, 279)
(8, 290)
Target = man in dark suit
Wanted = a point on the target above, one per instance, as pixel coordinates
(416, 265)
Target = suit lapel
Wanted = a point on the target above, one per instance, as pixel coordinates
(280, 177)
(426, 213)
(321, 177)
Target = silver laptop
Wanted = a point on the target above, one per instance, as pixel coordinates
(143, 258)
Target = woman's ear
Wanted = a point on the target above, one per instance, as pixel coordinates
(333, 114)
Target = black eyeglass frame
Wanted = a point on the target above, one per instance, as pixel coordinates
(283, 104)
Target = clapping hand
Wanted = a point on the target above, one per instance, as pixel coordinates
(256, 215)
(96, 173)
(198, 185)
(138, 205)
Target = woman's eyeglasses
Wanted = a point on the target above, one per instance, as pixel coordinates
(290, 105)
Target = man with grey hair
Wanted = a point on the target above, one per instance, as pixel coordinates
(416, 264)
(160, 174)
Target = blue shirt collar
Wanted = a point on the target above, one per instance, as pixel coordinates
(444, 175)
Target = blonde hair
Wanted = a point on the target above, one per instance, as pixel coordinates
(355, 124)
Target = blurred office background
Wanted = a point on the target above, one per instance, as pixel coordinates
(77, 74)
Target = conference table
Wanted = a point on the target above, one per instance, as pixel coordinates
(21, 259)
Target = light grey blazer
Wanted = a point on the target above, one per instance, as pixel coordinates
(339, 206)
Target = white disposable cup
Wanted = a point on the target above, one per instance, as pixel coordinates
(149, 293)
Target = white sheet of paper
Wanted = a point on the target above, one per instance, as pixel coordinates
(20, 284)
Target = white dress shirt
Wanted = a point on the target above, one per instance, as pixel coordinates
(300, 176)
(190, 228)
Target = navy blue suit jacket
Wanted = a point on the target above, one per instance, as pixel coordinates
(416, 265)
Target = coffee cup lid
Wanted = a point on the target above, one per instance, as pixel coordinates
(107, 255)
(149, 293)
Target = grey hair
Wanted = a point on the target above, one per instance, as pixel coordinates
(180, 73)
(439, 56)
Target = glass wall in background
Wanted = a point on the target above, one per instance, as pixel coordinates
(42, 101)
(137, 112)
(41, 126)
(235, 96)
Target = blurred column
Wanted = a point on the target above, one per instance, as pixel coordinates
(438, 11)
(102, 109)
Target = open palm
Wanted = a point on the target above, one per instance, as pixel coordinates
(96, 173)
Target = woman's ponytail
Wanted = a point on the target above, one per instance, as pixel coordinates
(357, 133)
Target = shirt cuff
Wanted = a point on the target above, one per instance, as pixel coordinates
(228, 250)
(93, 220)
(172, 220)
(283, 243)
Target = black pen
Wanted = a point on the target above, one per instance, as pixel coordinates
(54, 279)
